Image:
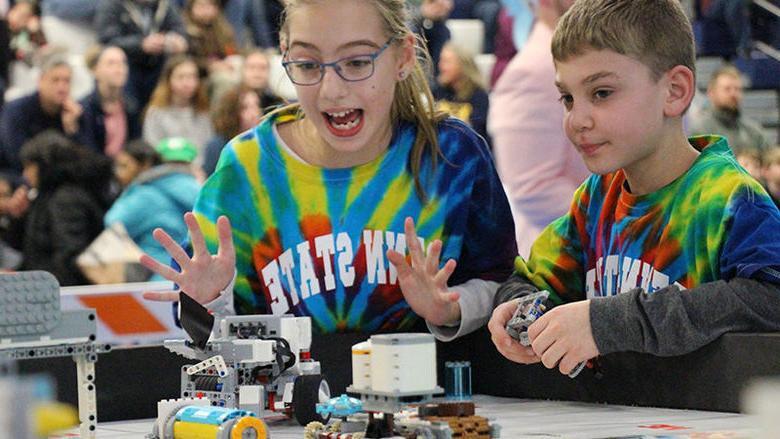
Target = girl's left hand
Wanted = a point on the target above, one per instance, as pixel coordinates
(423, 284)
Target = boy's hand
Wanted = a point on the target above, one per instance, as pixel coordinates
(204, 275)
(563, 337)
(506, 345)
(423, 284)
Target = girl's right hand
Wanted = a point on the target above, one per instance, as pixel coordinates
(203, 275)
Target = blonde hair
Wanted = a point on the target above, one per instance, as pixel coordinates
(413, 101)
(468, 70)
(725, 70)
(654, 32)
(772, 157)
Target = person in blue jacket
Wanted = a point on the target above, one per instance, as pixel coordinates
(160, 188)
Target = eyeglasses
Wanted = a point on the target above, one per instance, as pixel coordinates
(351, 68)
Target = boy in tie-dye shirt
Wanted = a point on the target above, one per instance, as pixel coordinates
(670, 243)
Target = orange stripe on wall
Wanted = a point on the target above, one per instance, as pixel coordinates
(123, 314)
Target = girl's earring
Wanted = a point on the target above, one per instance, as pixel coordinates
(402, 75)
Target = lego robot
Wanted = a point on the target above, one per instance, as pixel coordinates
(195, 418)
(257, 363)
(529, 309)
(32, 325)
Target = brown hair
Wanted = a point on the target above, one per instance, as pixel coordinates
(655, 32)
(226, 113)
(161, 97)
(413, 101)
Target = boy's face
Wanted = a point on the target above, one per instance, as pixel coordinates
(613, 109)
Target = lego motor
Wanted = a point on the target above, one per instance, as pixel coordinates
(209, 422)
(529, 309)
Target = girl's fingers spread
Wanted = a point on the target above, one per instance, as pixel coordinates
(161, 296)
(225, 236)
(163, 270)
(415, 248)
(432, 260)
(196, 235)
(177, 253)
(399, 261)
(444, 274)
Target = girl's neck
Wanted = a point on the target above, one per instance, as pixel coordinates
(180, 102)
(302, 137)
(109, 94)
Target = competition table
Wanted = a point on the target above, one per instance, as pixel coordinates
(522, 418)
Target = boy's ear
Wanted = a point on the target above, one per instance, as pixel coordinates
(681, 86)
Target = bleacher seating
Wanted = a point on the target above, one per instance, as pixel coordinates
(468, 34)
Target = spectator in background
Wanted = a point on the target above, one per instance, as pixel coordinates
(751, 160)
(771, 174)
(238, 110)
(161, 178)
(67, 214)
(431, 24)
(27, 37)
(460, 91)
(723, 116)
(6, 56)
(179, 106)
(50, 107)
(109, 120)
(148, 31)
(504, 47)
(538, 165)
(485, 11)
(210, 35)
(255, 74)
(252, 16)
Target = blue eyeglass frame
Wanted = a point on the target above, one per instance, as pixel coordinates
(334, 65)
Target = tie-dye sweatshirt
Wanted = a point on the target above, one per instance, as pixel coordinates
(311, 241)
(669, 271)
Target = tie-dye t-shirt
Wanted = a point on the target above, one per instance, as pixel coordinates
(714, 222)
(312, 241)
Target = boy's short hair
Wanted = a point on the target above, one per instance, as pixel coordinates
(772, 156)
(655, 32)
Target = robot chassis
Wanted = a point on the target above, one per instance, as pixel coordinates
(255, 363)
(529, 309)
(32, 325)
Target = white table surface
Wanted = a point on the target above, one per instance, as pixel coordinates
(533, 419)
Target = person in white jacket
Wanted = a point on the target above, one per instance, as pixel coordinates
(538, 165)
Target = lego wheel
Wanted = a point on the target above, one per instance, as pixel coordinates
(309, 390)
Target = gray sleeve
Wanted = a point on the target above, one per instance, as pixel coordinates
(476, 307)
(671, 321)
(514, 287)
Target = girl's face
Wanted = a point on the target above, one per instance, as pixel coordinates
(449, 67)
(250, 112)
(184, 80)
(204, 11)
(349, 117)
(126, 168)
(111, 68)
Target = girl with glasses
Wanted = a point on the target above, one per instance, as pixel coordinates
(320, 191)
